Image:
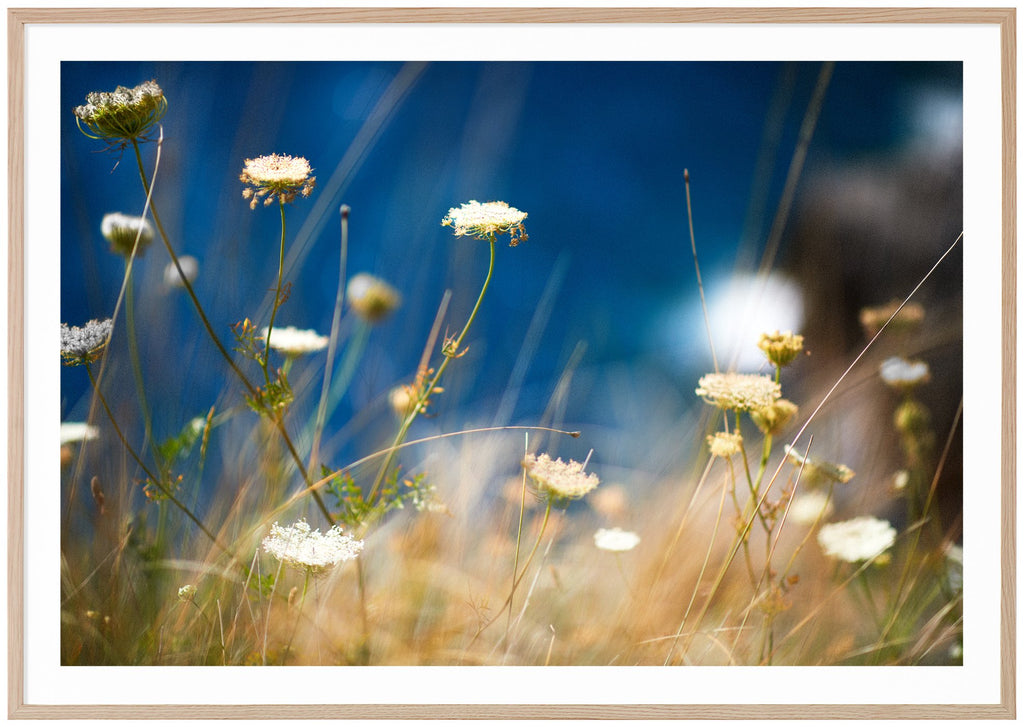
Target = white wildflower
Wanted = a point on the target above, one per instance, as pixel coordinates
(484, 219)
(122, 230)
(616, 539)
(77, 432)
(294, 342)
(810, 507)
(738, 392)
(276, 176)
(189, 266)
(370, 297)
(310, 550)
(861, 538)
(561, 480)
(900, 373)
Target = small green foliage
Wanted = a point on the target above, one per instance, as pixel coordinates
(263, 584)
(394, 494)
(250, 344)
(273, 397)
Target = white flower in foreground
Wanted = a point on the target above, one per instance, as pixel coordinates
(738, 392)
(899, 373)
(294, 342)
(276, 176)
(77, 432)
(483, 219)
(122, 230)
(310, 550)
(189, 266)
(561, 480)
(808, 508)
(855, 540)
(616, 539)
(725, 444)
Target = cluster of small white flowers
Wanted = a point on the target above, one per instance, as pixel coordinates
(725, 444)
(810, 507)
(483, 219)
(77, 432)
(738, 392)
(899, 373)
(616, 539)
(310, 550)
(562, 480)
(122, 230)
(370, 297)
(189, 266)
(80, 345)
(294, 342)
(276, 175)
(861, 538)
(144, 95)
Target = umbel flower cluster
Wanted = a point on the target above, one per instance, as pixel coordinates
(276, 176)
(123, 230)
(299, 546)
(84, 345)
(738, 392)
(122, 115)
(483, 219)
(557, 479)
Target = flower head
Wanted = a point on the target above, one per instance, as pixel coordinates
(738, 392)
(187, 593)
(557, 479)
(310, 550)
(189, 266)
(725, 444)
(902, 374)
(122, 231)
(781, 348)
(276, 176)
(293, 342)
(481, 220)
(808, 508)
(908, 318)
(818, 469)
(77, 432)
(123, 115)
(773, 419)
(84, 345)
(861, 538)
(371, 298)
(616, 539)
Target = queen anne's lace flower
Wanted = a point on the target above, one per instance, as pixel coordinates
(85, 344)
(816, 469)
(861, 538)
(294, 342)
(616, 539)
(276, 176)
(900, 373)
(483, 219)
(808, 508)
(738, 392)
(310, 550)
(781, 348)
(122, 115)
(371, 298)
(121, 232)
(773, 419)
(560, 480)
(725, 444)
(77, 432)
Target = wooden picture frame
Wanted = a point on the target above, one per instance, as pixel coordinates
(20, 23)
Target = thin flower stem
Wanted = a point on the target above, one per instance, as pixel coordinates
(133, 352)
(451, 351)
(157, 482)
(277, 296)
(519, 540)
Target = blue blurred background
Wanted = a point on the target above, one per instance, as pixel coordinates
(594, 152)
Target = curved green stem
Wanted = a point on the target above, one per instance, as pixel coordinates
(451, 350)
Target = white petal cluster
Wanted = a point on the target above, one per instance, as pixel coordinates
(122, 230)
(77, 432)
(810, 507)
(738, 392)
(616, 539)
(861, 538)
(294, 342)
(561, 480)
(483, 219)
(900, 373)
(310, 550)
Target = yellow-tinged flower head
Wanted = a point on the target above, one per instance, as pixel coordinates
(371, 298)
(861, 538)
(816, 470)
(276, 176)
(725, 444)
(781, 348)
(773, 419)
(122, 231)
(557, 479)
(483, 219)
(908, 318)
(738, 392)
(123, 115)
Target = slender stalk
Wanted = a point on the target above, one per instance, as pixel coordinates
(519, 540)
(133, 352)
(450, 351)
(277, 296)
